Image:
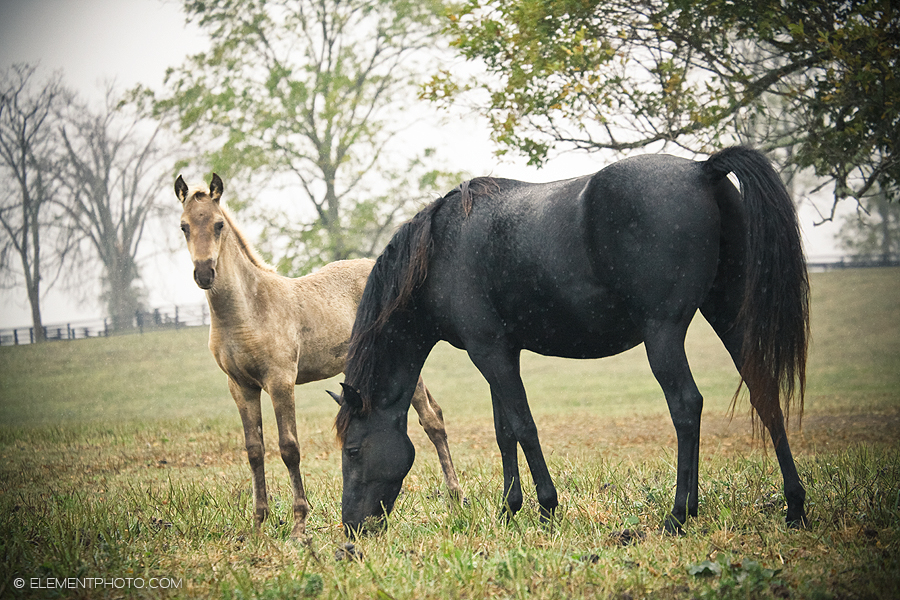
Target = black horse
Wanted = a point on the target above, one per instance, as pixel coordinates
(582, 268)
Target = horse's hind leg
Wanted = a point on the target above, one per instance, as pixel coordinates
(765, 400)
(664, 342)
(247, 401)
(431, 418)
(283, 402)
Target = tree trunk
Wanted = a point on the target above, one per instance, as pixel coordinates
(34, 299)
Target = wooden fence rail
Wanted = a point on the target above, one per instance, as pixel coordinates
(170, 317)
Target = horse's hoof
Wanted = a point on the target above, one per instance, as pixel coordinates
(672, 526)
(801, 522)
(546, 515)
(627, 537)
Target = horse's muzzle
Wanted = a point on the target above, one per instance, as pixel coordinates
(205, 273)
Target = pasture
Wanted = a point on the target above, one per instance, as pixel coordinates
(123, 463)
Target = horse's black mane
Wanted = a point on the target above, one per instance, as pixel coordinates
(399, 271)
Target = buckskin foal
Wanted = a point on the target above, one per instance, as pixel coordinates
(269, 332)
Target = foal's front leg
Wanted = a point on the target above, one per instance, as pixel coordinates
(247, 400)
(283, 401)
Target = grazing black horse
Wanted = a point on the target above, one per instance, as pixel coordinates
(583, 268)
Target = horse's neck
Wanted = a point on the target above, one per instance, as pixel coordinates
(238, 279)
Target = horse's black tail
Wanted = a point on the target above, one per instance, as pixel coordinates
(775, 310)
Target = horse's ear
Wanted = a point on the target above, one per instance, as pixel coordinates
(215, 188)
(181, 189)
(335, 397)
(352, 397)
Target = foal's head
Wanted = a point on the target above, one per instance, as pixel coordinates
(202, 223)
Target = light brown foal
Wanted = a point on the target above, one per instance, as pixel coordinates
(269, 332)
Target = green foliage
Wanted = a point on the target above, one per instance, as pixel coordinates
(818, 79)
(305, 95)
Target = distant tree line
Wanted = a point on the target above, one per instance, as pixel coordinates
(80, 184)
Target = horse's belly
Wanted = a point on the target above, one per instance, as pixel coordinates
(598, 325)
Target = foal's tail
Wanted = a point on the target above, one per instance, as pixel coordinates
(775, 310)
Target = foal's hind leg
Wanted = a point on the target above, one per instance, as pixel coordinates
(283, 402)
(431, 418)
(664, 342)
(247, 401)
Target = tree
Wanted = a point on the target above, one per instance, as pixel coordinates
(307, 93)
(113, 177)
(29, 161)
(625, 75)
(874, 235)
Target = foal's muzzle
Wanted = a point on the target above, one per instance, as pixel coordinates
(205, 273)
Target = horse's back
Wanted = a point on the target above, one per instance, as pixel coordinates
(573, 268)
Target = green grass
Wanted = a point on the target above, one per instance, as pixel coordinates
(123, 457)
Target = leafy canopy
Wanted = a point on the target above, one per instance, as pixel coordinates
(305, 93)
(818, 79)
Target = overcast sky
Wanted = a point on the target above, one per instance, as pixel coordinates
(134, 41)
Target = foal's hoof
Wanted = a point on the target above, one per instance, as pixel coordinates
(348, 551)
(300, 538)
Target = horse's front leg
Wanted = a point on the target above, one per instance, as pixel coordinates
(247, 400)
(283, 401)
(513, 423)
(432, 421)
(509, 457)
(665, 352)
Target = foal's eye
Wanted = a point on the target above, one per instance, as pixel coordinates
(218, 227)
(352, 452)
(186, 229)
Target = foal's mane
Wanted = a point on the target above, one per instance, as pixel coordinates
(196, 193)
(397, 274)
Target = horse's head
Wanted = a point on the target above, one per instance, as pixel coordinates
(202, 223)
(377, 455)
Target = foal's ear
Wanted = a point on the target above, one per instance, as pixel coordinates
(352, 397)
(335, 397)
(215, 188)
(181, 189)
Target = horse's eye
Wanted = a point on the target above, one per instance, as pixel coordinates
(186, 229)
(352, 452)
(218, 227)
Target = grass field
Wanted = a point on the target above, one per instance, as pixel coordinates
(123, 465)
